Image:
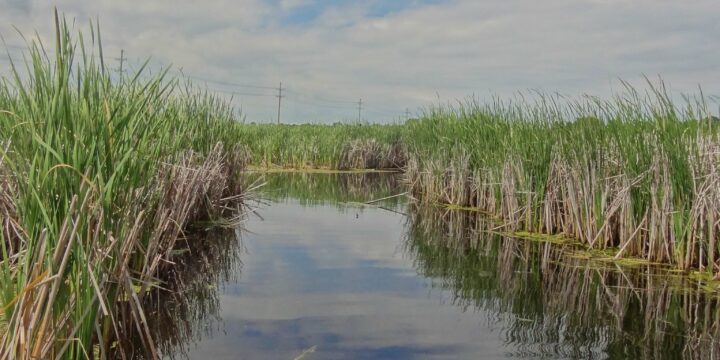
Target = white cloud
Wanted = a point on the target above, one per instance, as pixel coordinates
(408, 57)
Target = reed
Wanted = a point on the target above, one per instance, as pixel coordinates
(545, 302)
(339, 146)
(637, 173)
(187, 308)
(99, 179)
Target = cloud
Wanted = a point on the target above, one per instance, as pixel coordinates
(288, 5)
(408, 54)
(314, 280)
(17, 7)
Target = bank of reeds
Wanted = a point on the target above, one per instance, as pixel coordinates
(339, 146)
(99, 179)
(637, 173)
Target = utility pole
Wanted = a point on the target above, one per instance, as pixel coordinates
(360, 111)
(122, 59)
(407, 114)
(279, 96)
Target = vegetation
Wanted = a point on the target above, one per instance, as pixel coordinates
(637, 172)
(99, 180)
(354, 146)
(190, 311)
(547, 303)
(101, 177)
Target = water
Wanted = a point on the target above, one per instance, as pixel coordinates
(324, 278)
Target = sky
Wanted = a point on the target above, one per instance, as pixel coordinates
(398, 56)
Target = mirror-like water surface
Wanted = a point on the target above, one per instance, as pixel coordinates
(325, 278)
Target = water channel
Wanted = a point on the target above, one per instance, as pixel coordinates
(316, 274)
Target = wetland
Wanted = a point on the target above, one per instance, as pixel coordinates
(322, 275)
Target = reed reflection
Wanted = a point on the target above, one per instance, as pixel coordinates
(186, 307)
(340, 188)
(552, 303)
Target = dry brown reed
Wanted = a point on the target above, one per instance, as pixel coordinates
(371, 154)
(560, 304)
(591, 199)
(11, 230)
(190, 188)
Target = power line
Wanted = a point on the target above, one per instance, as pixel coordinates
(8, 55)
(14, 47)
(12, 50)
(281, 92)
(213, 81)
(372, 115)
(280, 96)
(225, 83)
(362, 109)
(240, 93)
(306, 103)
(317, 100)
(386, 112)
(309, 101)
(326, 100)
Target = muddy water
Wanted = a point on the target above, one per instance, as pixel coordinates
(325, 278)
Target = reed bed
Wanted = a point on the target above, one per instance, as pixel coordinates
(100, 178)
(339, 146)
(636, 174)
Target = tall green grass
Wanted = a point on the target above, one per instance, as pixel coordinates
(100, 178)
(636, 172)
(354, 146)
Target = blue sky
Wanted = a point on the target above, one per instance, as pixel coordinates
(397, 55)
(308, 11)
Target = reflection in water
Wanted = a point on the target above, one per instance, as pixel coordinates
(554, 304)
(182, 316)
(342, 188)
(318, 276)
(367, 283)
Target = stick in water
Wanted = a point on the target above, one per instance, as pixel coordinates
(385, 198)
(306, 352)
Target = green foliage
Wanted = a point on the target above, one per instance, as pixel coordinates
(573, 161)
(309, 145)
(82, 153)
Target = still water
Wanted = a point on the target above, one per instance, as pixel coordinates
(322, 277)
